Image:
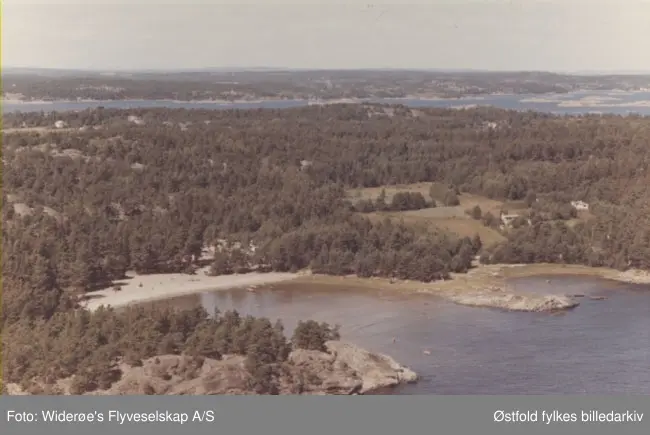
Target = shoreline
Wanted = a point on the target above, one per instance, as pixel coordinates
(487, 286)
(164, 100)
(151, 288)
(308, 101)
(484, 286)
(343, 368)
(551, 97)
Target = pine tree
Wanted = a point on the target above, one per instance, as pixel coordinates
(193, 246)
(145, 259)
(82, 274)
(477, 244)
(221, 264)
(45, 292)
(381, 200)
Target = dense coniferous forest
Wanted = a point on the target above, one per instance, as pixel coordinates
(148, 190)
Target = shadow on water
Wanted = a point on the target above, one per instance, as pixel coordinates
(599, 347)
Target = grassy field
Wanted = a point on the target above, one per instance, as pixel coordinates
(453, 219)
(355, 195)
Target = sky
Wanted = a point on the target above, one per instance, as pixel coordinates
(556, 35)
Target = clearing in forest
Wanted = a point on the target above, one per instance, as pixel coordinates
(450, 218)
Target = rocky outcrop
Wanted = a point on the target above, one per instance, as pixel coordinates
(351, 369)
(514, 302)
(182, 375)
(344, 369)
(376, 370)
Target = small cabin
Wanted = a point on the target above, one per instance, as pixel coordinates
(507, 219)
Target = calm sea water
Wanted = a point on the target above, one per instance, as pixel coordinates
(621, 103)
(602, 346)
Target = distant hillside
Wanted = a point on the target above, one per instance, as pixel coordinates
(262, 83)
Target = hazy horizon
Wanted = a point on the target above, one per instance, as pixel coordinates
(569, 37)
(6, 68)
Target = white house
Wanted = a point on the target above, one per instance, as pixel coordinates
(136, 120)
(580, 205)
(59, 124)
(507, 219)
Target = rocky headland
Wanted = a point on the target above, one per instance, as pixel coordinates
(344, 369)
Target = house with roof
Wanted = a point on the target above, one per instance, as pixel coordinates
(580, 205)
(507, 219)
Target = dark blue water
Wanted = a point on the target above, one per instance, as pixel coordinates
(620, 103)
(601, 347)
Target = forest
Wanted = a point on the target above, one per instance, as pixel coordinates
(82, 205)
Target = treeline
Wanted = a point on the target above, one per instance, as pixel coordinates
(88, 347)
(360, 247)
(545, 242)
(401, 201)
(407, 200)
(555, 242)
(368, 249)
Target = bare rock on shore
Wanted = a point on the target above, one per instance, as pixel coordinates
(182, 375)
(514, 302)
(376, 370)
(361, 371)
(344, 369)
(634, 277)
(319, 374)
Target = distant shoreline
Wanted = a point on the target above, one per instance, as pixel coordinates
(311, 101)
(318, 101)
(483, 286)
(162, 100)
(571, 104)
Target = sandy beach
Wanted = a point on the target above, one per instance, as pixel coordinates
(147, 288)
